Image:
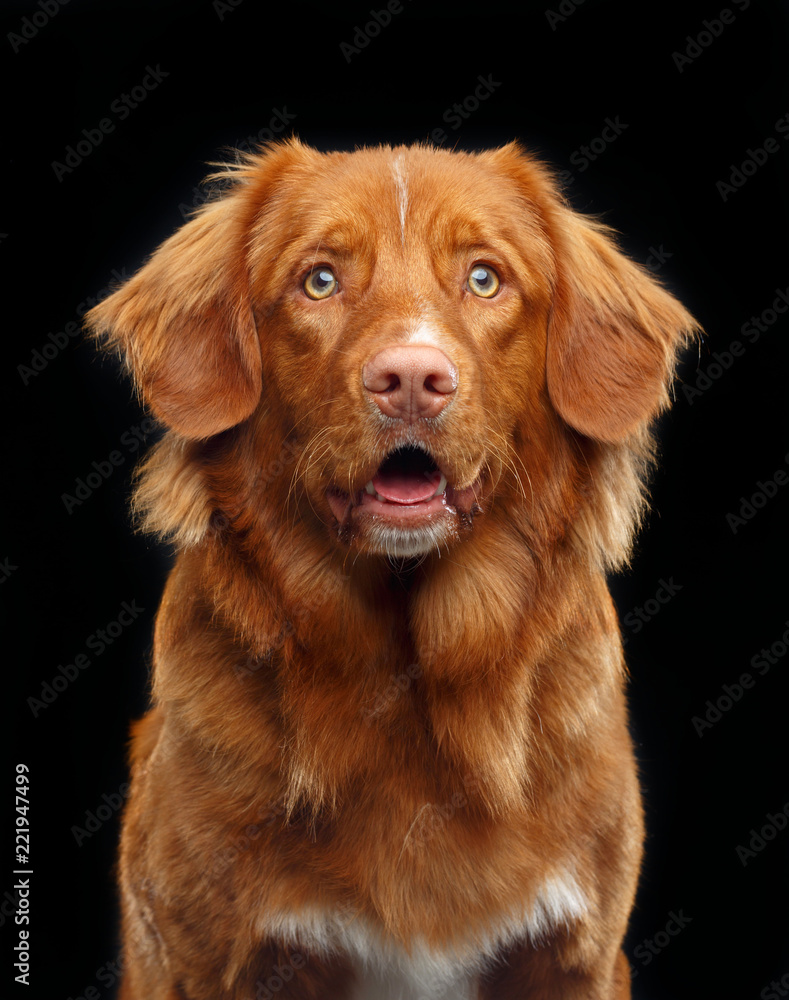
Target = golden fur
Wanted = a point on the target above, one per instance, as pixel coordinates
(424, 756)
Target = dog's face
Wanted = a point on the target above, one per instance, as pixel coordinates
(414, 294)
(431, 331)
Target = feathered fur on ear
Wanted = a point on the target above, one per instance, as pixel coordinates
(614, 334)
(614, 331)
(185, 328)
(184, 322)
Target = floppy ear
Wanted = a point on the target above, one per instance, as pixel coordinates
(185, 327)
(613, 336)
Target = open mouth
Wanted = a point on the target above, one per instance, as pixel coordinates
(407, 476)
(408, 486)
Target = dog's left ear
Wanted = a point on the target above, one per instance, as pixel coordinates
(613, 336)
(614, 332)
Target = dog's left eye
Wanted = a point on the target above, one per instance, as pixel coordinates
(320, 283)
(483, 281)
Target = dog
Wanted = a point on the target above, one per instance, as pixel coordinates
(407, 396)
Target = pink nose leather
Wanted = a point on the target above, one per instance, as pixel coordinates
(410, 381)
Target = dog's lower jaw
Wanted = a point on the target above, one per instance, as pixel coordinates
(396, 543)
(414, 539)
(404, 532)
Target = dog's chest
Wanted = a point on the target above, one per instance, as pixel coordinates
(394, 974)
(385, 969)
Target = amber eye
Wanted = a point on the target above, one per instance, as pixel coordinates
(483, 281)
(320, 283)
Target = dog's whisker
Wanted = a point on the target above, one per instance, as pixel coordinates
(324, 403)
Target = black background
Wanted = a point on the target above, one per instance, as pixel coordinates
(229, 71)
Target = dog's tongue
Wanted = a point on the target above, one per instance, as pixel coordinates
(399, 486)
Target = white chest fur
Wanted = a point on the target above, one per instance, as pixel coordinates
(386, 970)
(416, 976)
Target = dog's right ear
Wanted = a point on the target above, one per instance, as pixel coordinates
(184, 326)
(184, 322)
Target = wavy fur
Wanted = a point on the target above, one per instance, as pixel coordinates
(364, 774)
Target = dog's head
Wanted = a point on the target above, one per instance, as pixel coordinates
(409, 333)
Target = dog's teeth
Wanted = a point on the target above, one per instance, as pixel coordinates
(441, 486)
(371, 490)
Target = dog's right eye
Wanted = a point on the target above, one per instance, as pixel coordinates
(483, 281)
(320, 283)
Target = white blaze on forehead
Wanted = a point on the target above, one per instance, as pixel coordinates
(423, 332)
(401, 190)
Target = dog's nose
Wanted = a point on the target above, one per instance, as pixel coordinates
(410, 381)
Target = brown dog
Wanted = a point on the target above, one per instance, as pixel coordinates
(407, 395)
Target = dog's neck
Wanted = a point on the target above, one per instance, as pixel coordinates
(448, 682)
